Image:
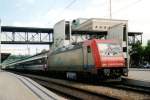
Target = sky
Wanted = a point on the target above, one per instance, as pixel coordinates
(45, 13)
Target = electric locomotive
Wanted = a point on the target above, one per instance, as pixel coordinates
(99, 58)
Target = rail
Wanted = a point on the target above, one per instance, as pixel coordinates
(90, 91)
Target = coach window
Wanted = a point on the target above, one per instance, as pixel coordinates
(88, 49)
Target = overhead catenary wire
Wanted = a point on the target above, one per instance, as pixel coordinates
(102, 4)
(69, 5)
(52, 6)
(127, 6)
(66, 7)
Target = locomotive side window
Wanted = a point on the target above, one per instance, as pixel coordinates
(88, 49)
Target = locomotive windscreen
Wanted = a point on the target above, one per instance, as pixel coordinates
(109, 49)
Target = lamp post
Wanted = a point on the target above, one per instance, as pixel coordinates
(110, 14)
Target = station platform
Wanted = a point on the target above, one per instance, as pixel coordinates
(139, 77)
(16, 87)
(139, 74)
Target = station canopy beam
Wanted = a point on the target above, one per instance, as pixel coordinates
(90, 33)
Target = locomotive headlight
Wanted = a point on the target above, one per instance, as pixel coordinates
(106, 72)
(104, 65)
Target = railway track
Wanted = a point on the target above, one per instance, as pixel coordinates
(63, 87)
(88, 91)
(130, 87)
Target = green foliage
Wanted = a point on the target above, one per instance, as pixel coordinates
(139, 54)
(147, 52)
(148, 43)
(136, 54)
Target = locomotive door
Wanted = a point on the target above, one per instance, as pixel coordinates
(85, 57)
(86, 50)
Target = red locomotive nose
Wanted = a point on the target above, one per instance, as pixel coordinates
(110, 55)
(112, 62)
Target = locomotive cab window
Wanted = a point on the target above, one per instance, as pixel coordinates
(88, 49)
(109, 49)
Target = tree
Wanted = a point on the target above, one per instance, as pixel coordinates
(147, 52)
(136, 54)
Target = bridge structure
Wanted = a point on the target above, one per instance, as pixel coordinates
(134, 37)
(34, 35)
(26, 35)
